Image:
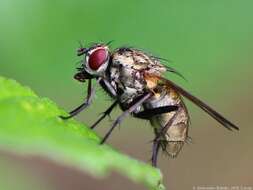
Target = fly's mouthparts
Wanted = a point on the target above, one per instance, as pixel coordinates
(79, 77)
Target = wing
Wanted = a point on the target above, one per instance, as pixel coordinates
(217, 116)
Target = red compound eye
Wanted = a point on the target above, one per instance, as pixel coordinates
(97, 58)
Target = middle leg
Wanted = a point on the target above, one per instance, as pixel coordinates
(125, 114)
(105, 113)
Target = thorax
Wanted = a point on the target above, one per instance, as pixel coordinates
(127, 71)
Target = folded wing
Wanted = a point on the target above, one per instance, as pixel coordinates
(217, 116)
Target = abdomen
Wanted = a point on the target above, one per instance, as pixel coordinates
(172, 139)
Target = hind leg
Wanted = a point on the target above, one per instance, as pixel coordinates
(155, 151)
(148, 113)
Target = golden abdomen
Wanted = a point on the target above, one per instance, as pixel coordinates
(174, 137)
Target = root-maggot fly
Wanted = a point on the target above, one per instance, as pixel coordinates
(134, 79)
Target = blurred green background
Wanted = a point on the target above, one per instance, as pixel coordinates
(209, 42)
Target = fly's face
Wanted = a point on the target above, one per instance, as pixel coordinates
(95, 63)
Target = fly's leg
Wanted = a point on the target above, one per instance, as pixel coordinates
(106, 85)
(105, 113)
(146, 114)
(155, 151)
(130, 110)
(160, 133)
(90, 95)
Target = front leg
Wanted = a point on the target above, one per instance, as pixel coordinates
(125, 114)
(89, 97)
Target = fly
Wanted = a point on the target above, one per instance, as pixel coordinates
(134, 79)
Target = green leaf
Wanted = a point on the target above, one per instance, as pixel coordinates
(30, 125)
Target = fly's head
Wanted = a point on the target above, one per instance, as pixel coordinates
(95, 63)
